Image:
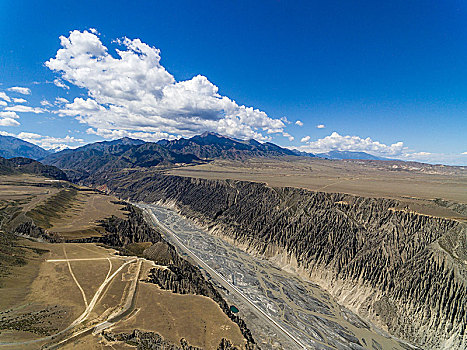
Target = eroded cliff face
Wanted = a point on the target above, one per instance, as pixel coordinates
(181, 276)
(404, 271)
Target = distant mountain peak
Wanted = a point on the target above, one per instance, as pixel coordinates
(211, 133)
(211, 145)
(11, 147)
(253, 142)
(126, 141)
(336, 154)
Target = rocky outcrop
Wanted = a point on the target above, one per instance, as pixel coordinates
(184, 278)
(457, 207)
(120, 232)
(22, 165)
(402, 270)
(180, 276)
(148, 341)
(153, 341)
(30, 230)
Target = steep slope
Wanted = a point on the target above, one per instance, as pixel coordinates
(21, 165)
(117, 154)
(404, 271)
(11, 147)
(212, 145)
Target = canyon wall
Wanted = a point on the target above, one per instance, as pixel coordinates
(404, 271)
(181, 276)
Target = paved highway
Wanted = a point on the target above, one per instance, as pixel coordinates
(226, 284)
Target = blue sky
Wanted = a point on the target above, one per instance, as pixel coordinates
(388, 78)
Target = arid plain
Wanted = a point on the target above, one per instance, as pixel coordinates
(61, 288)
(55, 294)
(427, 189)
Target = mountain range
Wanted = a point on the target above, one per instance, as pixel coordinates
(131, 153)
(349, 155)
(112, 155)
(11, 147)
(211, 145)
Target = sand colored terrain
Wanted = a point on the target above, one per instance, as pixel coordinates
(26, 188)
(196, 318)
(417, 187)
(47, 288)
(15, 286)
(88, 208)
(61, 291)
(78, 218)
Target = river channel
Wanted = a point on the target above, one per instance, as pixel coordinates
(281, 310)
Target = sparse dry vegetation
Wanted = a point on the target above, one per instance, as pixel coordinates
(436, 191)
(53, 208)
(42, 294)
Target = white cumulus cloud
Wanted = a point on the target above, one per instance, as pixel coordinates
(19, 100)
(20, 90)
(285, 120)
(299, 123)
(135, 93)
(8, 119)
(8, 122)
(5, 133)
(60, 100)
(4, 96)
(352, 143)
(61, 84)
(320, 126)
(117, 134)
(49, 142)
(417, 154)
(397, 150)
(3, 103)
(25, 109)
(9, 115)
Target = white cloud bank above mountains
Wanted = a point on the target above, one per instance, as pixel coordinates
(47, 142)
(133, 92)
(129, 93)
(336, 141)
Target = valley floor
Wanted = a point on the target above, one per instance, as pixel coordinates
(281, 310)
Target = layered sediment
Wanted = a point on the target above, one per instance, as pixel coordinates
(404, 271)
